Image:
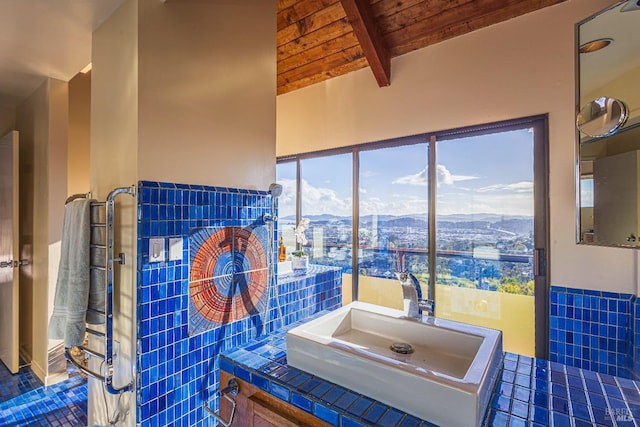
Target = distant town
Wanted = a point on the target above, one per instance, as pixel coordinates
(480, 251)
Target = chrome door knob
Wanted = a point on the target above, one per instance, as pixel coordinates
(13, 264)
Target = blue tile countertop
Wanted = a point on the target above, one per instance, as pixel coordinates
(529, 392)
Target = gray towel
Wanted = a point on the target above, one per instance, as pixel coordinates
(72, 288)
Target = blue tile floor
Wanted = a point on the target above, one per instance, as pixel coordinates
(25, 401)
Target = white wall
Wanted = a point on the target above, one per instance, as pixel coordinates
(181, 92)
(58, 110)
(114, 163)
(57, 155)
(207, 92)
(79, 134)
(522, 67)
(42, 122)
(7, 119)
(114, 102)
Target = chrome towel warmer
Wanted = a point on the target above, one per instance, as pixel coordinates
(106, 266)
(232, 389)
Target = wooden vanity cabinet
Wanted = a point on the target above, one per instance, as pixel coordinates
(257, 408)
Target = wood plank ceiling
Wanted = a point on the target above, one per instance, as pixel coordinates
(321, 39)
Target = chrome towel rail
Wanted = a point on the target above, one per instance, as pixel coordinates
(231, 389)
(108, 261)
(77, 196)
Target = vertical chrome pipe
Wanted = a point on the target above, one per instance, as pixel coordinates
(110, 258)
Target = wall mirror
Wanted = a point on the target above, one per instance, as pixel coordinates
(608, 126)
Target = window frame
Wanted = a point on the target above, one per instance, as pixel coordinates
(541, 205)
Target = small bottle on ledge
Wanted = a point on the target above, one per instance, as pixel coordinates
(282, 251)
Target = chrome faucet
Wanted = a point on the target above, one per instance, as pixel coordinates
(414, 304)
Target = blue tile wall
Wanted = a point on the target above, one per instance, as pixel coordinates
(178, 372)
(636, 338)
(594, 330)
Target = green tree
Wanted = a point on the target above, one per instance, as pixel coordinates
(510, 285)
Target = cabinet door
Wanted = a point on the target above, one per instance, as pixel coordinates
(264, 415)
(256, 408)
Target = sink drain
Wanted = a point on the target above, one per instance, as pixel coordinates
(401, 348)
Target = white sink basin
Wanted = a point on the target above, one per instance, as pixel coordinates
(447, 380)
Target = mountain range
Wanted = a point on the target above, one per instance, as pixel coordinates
(519, 224)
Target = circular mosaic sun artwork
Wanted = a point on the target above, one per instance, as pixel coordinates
(228, 274)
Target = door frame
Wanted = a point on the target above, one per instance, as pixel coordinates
(12, 333)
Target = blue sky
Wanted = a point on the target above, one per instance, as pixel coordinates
(481, 174)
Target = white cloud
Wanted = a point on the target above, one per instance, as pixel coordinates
(368, 173)
(446, 177)
(508, 199)
(317, 200)
(397, 206)
(502, 204)
(287, 201)
(417, 179)
(443, 175)
(517, 187)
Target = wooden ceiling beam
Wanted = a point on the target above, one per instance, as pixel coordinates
(362, 20)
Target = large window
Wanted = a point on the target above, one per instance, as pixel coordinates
(464, 211)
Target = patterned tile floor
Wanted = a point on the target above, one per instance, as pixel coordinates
(24, 401)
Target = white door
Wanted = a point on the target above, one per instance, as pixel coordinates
(9, 253)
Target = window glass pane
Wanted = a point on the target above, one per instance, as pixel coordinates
(586, 208)
(393, 222)
(586, 192)
(484, 214)
(286, 176)
(327, 203)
